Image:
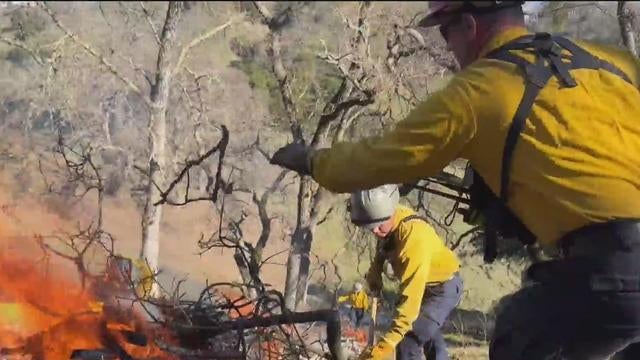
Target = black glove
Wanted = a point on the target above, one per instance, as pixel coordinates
(295, 156)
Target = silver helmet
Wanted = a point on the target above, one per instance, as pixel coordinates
(370, 208)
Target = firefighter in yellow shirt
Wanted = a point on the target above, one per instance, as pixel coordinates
(550, 127)
(358, 302)
(430, 287)
(133, 274)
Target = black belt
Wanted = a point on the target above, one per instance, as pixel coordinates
(599, 238)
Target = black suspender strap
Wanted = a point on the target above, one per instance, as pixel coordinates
(583, 60)
(549, 62)
(413, 217)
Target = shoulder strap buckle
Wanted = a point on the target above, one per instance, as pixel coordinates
(545, 46)
(543, 43)
(536, 74)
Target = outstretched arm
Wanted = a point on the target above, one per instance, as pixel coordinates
(431, 136)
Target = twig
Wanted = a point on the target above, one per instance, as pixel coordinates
(93, 53)
(23, 46)
(195, 42)
(147, 16)
(220, 148)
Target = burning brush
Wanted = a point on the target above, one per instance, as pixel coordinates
(48, 317)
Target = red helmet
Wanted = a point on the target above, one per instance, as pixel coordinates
(441, 12)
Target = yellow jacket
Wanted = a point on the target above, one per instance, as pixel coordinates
(145, 277)
(358, 300)
(418, 256)
(575, 162)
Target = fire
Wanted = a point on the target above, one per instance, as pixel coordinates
(270, 348)
(49, 317)
(360, 336)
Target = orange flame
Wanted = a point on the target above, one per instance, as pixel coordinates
(360, 336)
(48, 316)
(270, 349)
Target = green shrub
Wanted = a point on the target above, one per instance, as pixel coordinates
(260, 76)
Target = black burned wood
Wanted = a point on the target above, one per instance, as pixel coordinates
(330, 317)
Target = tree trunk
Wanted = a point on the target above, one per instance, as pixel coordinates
(159, 97)
(298, 255)
(153, 214)
(245, 274)
(107, 129)
(309, 199)
(626, 19)
(305, 265)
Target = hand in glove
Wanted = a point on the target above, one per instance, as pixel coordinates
(295, 156)
(382, 351)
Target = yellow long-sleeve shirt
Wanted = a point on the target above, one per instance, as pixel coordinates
(418, 256)
(575, 162)
(358, 299)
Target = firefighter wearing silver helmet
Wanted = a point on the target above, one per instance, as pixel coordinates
(428, 273)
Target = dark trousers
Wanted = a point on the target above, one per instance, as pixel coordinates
(585, 306)
(425, 337)
(356, 316)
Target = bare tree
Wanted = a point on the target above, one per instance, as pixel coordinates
(168, 64)
(248, 255)
(626, 20)
(82, 175)
(309, 197)
(363, 78)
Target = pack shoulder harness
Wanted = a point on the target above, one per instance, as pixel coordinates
(499, 220)
(384, 248)
(387, 246)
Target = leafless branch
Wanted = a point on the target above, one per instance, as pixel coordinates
(195, 42)
(265, 219)
(81, 170)
(284, 78)
(147, 16)
(91, 51)
(470, 232)
(25, 47)
(345, 124)
(220, 148)
(626, 20)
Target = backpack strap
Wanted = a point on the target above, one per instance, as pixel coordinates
(389, 245)
(583, 60)
(549, 62)
(413, 217)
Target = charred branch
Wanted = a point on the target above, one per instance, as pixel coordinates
(330, 317)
